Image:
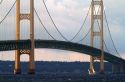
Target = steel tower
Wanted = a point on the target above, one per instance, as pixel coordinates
(19, 17)
(97, 15)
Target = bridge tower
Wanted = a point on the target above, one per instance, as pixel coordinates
(97, 15)
(21, 16)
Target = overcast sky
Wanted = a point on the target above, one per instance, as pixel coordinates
(68, 16)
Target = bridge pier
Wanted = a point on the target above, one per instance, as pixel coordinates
(17, 69)
(101, 70)
(31, 64)
(31, 68)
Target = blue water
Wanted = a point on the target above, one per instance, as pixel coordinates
(62, 78)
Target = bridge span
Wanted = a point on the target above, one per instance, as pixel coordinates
(53, 44)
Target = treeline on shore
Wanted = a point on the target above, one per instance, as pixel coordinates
(54, 67)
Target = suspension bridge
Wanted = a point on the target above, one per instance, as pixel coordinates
(17, 35)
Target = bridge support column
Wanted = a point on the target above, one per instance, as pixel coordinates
(101, 71)
(91, 69)
(31, 61)
(17, 69)
(30, 17)
(31, 64)
(97, 31)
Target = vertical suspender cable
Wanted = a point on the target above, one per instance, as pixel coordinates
(54, 23)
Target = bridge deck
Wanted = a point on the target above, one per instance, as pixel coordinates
(25, 44)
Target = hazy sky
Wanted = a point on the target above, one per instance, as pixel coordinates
(68, 16)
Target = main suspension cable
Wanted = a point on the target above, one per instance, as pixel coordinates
(1, 1)
(43, 24)
(7, 13)
(81, 25)
(100, 29)
(54, 23)
(78, 30)
(45, 1)
(84, 36)
(111, 35)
